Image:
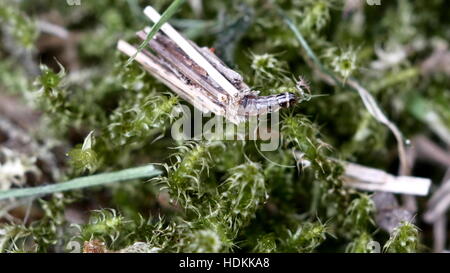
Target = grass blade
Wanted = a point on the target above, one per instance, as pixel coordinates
(168, 13)
(85, 182)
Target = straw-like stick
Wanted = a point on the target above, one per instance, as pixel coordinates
(151, 13)
(370, 179)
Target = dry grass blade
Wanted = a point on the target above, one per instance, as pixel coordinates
(369, 102)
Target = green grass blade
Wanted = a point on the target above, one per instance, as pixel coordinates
(85, 182)
(298, 35)
(168, 13)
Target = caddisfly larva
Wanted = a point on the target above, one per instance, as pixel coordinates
(252, 105)
(200, 77)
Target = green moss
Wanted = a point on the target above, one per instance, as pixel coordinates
(224, 195)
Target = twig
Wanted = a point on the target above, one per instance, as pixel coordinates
(169, 79)
(371, 179)
(426, 149)
(409, 201)
(439, 202)
(439, 234)
(53, 29)
(192, 52)
(84, 182)
(437, 206)
(365, 178)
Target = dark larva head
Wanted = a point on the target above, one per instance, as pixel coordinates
(286, 99)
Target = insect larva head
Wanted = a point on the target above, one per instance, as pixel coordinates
(287, 99)
(302, 86)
